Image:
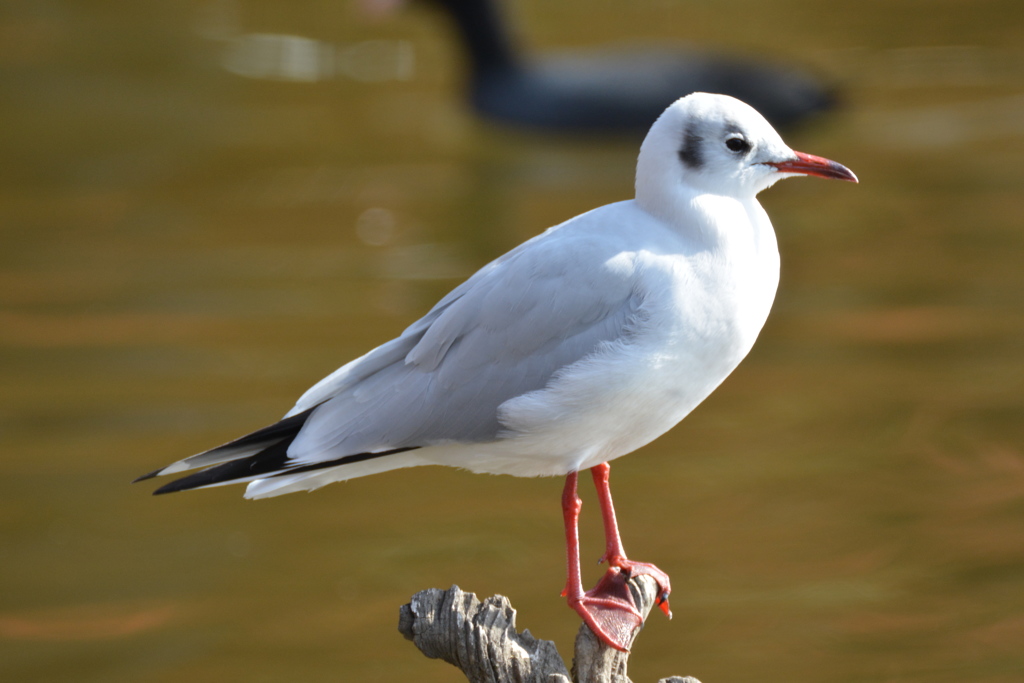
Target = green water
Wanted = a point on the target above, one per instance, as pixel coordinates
(185, 248)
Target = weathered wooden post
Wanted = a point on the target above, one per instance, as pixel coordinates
(481, 640)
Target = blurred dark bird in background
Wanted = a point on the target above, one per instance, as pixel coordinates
(613, 90)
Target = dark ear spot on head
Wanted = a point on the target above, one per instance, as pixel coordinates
(690, 153)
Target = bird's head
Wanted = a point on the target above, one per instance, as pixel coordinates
(716, 144)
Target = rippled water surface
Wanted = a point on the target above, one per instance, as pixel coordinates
(205, 207)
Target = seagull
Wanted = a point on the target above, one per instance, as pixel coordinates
(578, 346)
(614, 89)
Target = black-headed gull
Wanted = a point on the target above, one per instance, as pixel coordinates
(579, 346)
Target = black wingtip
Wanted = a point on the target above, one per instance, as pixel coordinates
(150, 475)
(172, 487)
(282, 431)
(268, 463)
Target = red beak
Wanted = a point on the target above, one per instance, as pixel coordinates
(808, 164)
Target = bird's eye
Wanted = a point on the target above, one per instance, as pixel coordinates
(738, 145)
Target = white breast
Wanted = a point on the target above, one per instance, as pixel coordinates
(702, 310)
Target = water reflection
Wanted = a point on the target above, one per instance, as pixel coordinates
(85, 622)
(286, 57)
(295, 58)
(947, 66)
(946, 125)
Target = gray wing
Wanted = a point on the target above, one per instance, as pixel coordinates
(504, 332)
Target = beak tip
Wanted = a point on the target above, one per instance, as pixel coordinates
(808, 164)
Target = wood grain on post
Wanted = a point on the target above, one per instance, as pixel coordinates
(480, 639)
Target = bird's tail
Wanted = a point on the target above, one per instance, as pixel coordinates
(262, 458)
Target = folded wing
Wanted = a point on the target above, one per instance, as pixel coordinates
(504, 332)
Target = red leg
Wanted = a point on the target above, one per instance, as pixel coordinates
(614, 553)
(610, 614)
(608, 608)
(571, 505)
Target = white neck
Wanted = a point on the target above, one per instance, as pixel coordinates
(731, 225)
